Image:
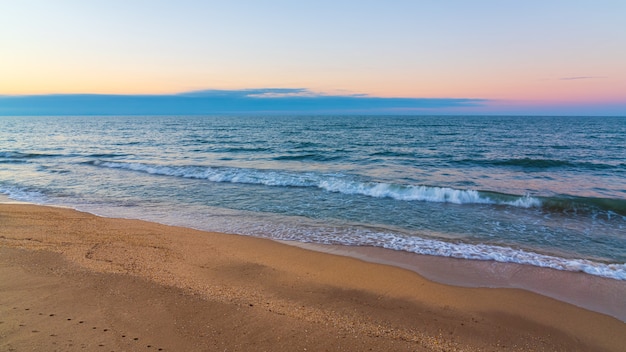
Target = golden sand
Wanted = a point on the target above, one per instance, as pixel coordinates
(73, 281)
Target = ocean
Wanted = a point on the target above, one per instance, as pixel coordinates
(541, 191)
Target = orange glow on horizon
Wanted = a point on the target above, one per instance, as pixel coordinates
(539, 91)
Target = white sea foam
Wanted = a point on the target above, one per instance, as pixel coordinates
(459, 250)
(331, 183)
(498, 254)
(23, 195)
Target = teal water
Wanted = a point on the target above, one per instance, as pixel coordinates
(544, 191)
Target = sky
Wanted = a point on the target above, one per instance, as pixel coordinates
(481, 56)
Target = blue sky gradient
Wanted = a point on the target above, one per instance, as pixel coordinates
(447, 57)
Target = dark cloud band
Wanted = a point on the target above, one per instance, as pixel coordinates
(266, 100)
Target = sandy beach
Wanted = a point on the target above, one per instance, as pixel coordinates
(73, 281)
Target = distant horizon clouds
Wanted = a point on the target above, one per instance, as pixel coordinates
(296, 101)
(219, 101)
(580, 77)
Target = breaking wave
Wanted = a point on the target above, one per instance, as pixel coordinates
(336, 183)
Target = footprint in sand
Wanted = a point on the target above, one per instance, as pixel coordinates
(79, 323)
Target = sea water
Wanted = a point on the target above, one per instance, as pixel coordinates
(542, 191)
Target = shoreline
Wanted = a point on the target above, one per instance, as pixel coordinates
(594, 293)
(384, 306)
(590, 292)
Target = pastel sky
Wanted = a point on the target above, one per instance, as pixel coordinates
(543, 56)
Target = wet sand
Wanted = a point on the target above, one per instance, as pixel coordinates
(587, 291)
(73, 281)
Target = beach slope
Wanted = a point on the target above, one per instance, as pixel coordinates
(73, 281)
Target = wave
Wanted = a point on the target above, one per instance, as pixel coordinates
(106, 155)
(238, 149)
(540, 164)
(339, 183)
(20, 155)
(306, 157)
(470, 251)
(585, 205)
(23, 194)
(388, 153)
(329, 182)
(15, 156)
